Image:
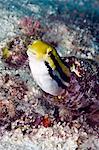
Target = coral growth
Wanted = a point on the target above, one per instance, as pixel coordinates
(14, 53)
(29, 26)
(29, 117)
(81, 94)
(26, 108)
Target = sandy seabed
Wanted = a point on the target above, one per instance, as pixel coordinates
(29, 119)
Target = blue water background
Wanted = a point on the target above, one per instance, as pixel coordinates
(89, 7)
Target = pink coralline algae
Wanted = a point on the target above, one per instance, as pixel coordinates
(29, 26)
(14, 53)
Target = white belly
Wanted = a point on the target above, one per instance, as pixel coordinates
(42, 77)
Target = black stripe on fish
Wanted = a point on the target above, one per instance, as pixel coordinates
(55, 77)
(58, 68)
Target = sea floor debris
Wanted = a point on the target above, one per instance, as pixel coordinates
(27, 114)
(32, 119)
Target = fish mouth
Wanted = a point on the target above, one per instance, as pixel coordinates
(29, 51)
(31, 55)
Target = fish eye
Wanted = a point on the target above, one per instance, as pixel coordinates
(49, 53)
